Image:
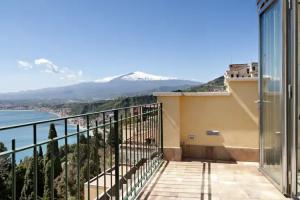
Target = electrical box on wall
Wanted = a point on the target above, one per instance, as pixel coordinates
(212, 132)
(191, 137)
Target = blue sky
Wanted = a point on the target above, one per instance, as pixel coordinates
(60, 42)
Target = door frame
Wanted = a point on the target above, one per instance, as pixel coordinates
(294, 110)
(284, 185)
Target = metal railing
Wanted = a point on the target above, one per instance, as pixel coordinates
(109, 155)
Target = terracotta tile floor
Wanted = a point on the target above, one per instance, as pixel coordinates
(209, 181)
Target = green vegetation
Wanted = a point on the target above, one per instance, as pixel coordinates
(4, 174)
(81, 108)
(52, 155)
(211, 86)
(50, 166)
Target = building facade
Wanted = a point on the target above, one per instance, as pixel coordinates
(242, 70)
(279, 88)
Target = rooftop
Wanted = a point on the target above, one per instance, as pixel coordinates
(209, 180)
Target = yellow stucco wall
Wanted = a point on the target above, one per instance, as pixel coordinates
(188, 116)
(171, 117)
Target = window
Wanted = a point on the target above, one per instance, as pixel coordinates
(272, 90)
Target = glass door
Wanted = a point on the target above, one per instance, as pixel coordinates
(271, 92)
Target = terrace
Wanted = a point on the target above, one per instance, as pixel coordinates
(187, 146)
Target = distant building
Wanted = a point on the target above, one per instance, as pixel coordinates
(242, 70)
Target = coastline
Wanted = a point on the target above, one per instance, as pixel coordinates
(57, 114)
(12, 110)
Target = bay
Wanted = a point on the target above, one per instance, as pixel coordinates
(24, 136)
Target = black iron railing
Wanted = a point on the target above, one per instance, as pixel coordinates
(109, 155)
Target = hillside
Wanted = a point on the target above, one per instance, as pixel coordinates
(81, 108)
(211, 86)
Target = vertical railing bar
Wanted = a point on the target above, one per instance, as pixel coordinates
(134, 149)
(52, 168)
(157, 131)
(130, 148)
(149, 140)
(153, 132)
(66, 159)
(151, 136)
(126, 139)
(35, 178)
(117, 153)
(138, 135)
(152, 140)
(156, 152)
(143, 141)
(161, 131)
(78, 163)
(141, 145)
(104, 151)
(122, 162)
(13, 160)
(110, 132)
(97, 156)
(88, 153)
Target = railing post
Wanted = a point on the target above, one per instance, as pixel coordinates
(116, 136)
(35, 175)
(161, 131)
(13, 160)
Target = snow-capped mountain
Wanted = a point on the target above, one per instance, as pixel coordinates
(135, 76)
(131, 84)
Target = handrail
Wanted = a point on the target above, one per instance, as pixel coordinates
(71, 117)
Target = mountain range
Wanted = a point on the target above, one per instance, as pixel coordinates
(130, 84)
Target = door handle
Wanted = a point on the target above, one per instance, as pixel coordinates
(259, 101)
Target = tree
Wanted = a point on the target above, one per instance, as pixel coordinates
(95, 154)
(51, 158)
(28, 188)
(40, 171)
(27, 192)
(20, 177)
(41, 155)
(4, 174)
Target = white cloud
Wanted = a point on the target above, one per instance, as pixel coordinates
(48, 65)
(24, 65)
(64, 73)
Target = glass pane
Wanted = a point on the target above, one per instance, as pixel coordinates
(272, 84)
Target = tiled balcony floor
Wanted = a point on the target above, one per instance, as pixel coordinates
(209, 181)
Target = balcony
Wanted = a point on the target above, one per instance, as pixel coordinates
(187, 146)
(110, 155)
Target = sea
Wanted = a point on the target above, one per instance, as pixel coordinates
(24, 136)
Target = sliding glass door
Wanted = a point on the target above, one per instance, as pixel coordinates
(271, 96)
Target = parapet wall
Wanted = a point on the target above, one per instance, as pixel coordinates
(212, 125)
